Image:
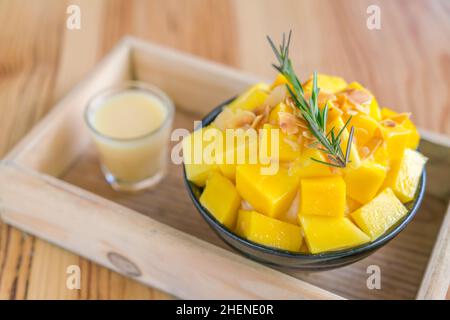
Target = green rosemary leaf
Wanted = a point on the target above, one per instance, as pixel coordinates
(349, 144)
(330, 143)
(325, 116)
(343, 128)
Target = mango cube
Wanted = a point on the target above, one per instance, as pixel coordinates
(322, 196)
(396, 140)
(387, 113)
(252, 98)
(364, 182)
(404, 175)
(237, 150)
(285, 147)
(414, 136)
(305, 167)
(381, 155)
(221, 199)
(328, 84)
(365, 127)
(331, 233)
(351, 206)
(279, 80)
(198, 162)
(269, 194)
(267, 231)
(228, 171)
(380, 214)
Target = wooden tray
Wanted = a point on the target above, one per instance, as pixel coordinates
(51, 186)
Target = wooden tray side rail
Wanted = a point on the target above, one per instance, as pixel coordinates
(436, 281)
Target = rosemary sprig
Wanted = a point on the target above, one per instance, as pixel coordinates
(330, 143)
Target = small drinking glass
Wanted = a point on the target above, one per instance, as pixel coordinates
(128, 162)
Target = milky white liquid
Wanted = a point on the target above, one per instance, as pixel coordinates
(133, 137)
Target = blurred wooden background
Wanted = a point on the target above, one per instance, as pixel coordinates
(406, 64)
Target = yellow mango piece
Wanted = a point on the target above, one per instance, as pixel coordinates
(274, 117)
(269, 194)
(228, 170)
(351, 205)
(364, 182)
(387, 113)
(322, 196)
(279, 80)
(331, 233)
(381, 155)
(305, 167)
(221, 199)
(267, 231)
(414, 136)
(404, 174)
(198, 162)
(374, 109)
(286, 146)
(380, 214)
(338, 124)
(334, 110)
(365, 127)
(396, 139)
(326, 83)
(236, 151)
(252, 98)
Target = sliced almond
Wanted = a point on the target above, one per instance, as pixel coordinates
(256, 122)
(277, 95)
(355, 99)
(388, 123)
(323, 97)
(372, 145)
(241, 118)
(288, 122)
(308, 135)
(223, 119)
(352, 112)
(359, 96)
(229, 119)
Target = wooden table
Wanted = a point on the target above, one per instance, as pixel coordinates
(406, 64)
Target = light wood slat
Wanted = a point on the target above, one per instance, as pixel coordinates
(436, 281)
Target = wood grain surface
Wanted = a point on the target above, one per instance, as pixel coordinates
(406, 64)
